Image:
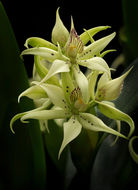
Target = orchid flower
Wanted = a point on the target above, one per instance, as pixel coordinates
(69, 48)
(72, 102)
(73, 97)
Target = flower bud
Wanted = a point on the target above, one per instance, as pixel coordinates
(110, 89)
(59, 33)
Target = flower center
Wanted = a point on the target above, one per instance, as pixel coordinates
(74, 45)
(77, 102)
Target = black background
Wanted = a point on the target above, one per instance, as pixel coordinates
(37, 17)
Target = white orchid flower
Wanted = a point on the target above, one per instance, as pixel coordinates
(72, 103)
(70, 49)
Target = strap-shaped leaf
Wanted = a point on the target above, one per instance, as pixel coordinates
(26, 145)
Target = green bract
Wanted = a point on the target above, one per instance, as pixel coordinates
(72, 96)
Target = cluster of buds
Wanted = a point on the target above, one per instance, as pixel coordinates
(63, 92)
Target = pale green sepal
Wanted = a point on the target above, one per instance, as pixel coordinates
(16, 117)
(96, 47)
(59, 33)
(116, 114)
(56, 95)
(89, 35)
(106, 52)
(34, 92)
(96, 64)
(67, 85)
(48, 54)
(61, 55)
(45, 115)
(44, 125)
(118, 124)
(82, 82)
(39, 42)
(93, 123)
(58, 66)
(43, 71)
(92, 83)
(110, 89)
(40, 68)
(72, 129)
(133, 154)
(20, 115)
(85, 37)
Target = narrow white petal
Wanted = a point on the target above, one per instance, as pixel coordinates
(85, 37)
(34, 92)
(96, 47)
(93, 123)
(116, 114)
(92, 83)
(72, 129)
(39, 42)
(44, 52)
(20, 115)
(133, 154)
(56, 95)
(96, 64)
(58, 66)
(82, 82)
(45, 115)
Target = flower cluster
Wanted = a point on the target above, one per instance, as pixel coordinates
(67, 94)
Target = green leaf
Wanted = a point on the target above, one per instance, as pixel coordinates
(53, 140)
(22, 154)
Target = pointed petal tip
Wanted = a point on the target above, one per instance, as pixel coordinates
(72, 23)
(133, 154)
(11, 126)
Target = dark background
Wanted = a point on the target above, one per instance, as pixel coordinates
(36, 18)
